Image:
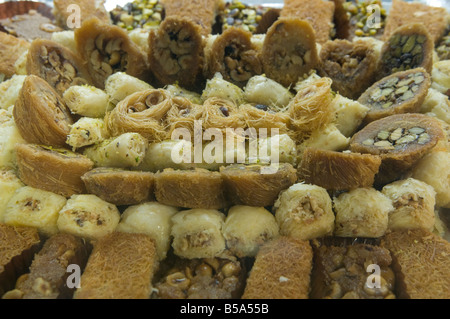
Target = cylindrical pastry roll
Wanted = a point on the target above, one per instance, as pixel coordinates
(56, 64)
(362, 212)
(434, 169)
(351, 66)
(176, 52)
(48, 274)
(220, 88)
(176, 154)
(311, 109)
(281, 270)
(153, 219)
(414, 202)
(87, 101)
(305, 212)
(125, 151)
(289, 50)
(121, 266)
(119, 187)
(326, 138)
(247, 228)
(198, 188)
(34, 207)
(107, 49)
(197, 233)
(233, 55)
(120, 85)
(86, 132)
(9, 183)
(54, 170)
(250, 185)
(142, 112)
(40, 113)
(348, 114)
(88, 216)
(408, 47)
(261, 90)
(277, 148)
(202, 12)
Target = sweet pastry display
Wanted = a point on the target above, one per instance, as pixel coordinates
(169, 149)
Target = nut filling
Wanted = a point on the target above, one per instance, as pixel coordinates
(401, 92)
(58, 71)
(407, 48)
(241, 64)
(107, 56)
(398, 138)
(214, 278)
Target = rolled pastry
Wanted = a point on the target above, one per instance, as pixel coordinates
(88, 216)
(247, 228)
(87, 100)
(414, 202)
(233, 55)
(362, 212)
(120, 85)
(34, 207)
(40, 113)
(305, 212)
(153, 219)
(351, 66)
(125, 151)
(56, 64)
(86, 132)
(289, 50)
(218, 87)
(176, 52)
(107, 49)
(141, 112)
(197, 233)
(311, 108)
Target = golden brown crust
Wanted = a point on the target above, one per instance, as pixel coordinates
(176, 52)
(336, 170)
(142, 112)
(40, 113)
(121, 266)
(56, 64)
(250, 185)
(120, 187)
(351, 66)
(197, 188)
(108, 49)
(281, 270)
(234, 56)
(54, 170)
(398, 156)
(435, 19)
(11, 49)
(422, 264)
(202, 12)
(317, 12)
(289, 50)
(409, 46)
(47, 278)
(17, 247)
